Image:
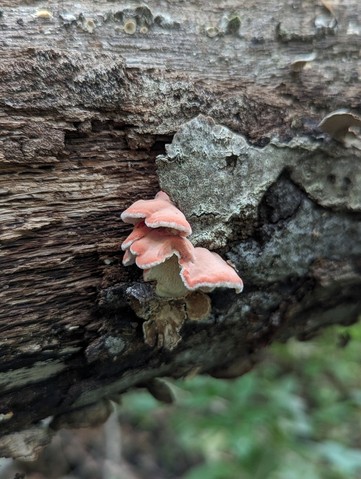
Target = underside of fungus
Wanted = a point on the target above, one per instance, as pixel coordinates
(159, 246)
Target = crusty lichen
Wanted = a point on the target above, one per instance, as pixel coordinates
(218, 179)
(311, 232)
(142, 17)
(215, 176)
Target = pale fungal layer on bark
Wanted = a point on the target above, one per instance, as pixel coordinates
(235, 175)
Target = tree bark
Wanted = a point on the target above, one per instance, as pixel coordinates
(90, 95)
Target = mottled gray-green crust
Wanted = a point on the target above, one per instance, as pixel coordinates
(218, 179)
(291, 212)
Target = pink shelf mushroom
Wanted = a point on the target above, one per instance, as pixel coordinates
(158, 213)
(139, 231)
(128, 258)
(209, 271)
(158, 246)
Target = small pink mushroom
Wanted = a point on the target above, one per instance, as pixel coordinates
(208, 271)
(157, 213)
(158, 246)
(139, 231)
(128, 258)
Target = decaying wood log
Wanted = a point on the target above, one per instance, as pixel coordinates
(229, 100)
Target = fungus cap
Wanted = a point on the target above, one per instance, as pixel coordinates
(158, 246)
(157, 213)
(301, 61)
(198, 305)
(337, 123)
(128, 258)
(209, 271)
(139, 231)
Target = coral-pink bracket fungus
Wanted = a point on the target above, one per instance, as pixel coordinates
(158, 244)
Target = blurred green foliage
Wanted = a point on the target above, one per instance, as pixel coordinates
(296, 416)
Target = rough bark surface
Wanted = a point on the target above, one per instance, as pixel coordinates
(90, 95)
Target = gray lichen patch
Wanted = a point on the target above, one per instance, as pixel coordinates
(288, 249)
(218, 179)
(215, 176)
(332, 180)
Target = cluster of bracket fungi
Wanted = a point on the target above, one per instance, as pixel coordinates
(183, 273)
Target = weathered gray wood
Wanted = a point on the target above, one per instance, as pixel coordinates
(90, 95)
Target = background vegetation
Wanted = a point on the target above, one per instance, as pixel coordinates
(297, 415)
